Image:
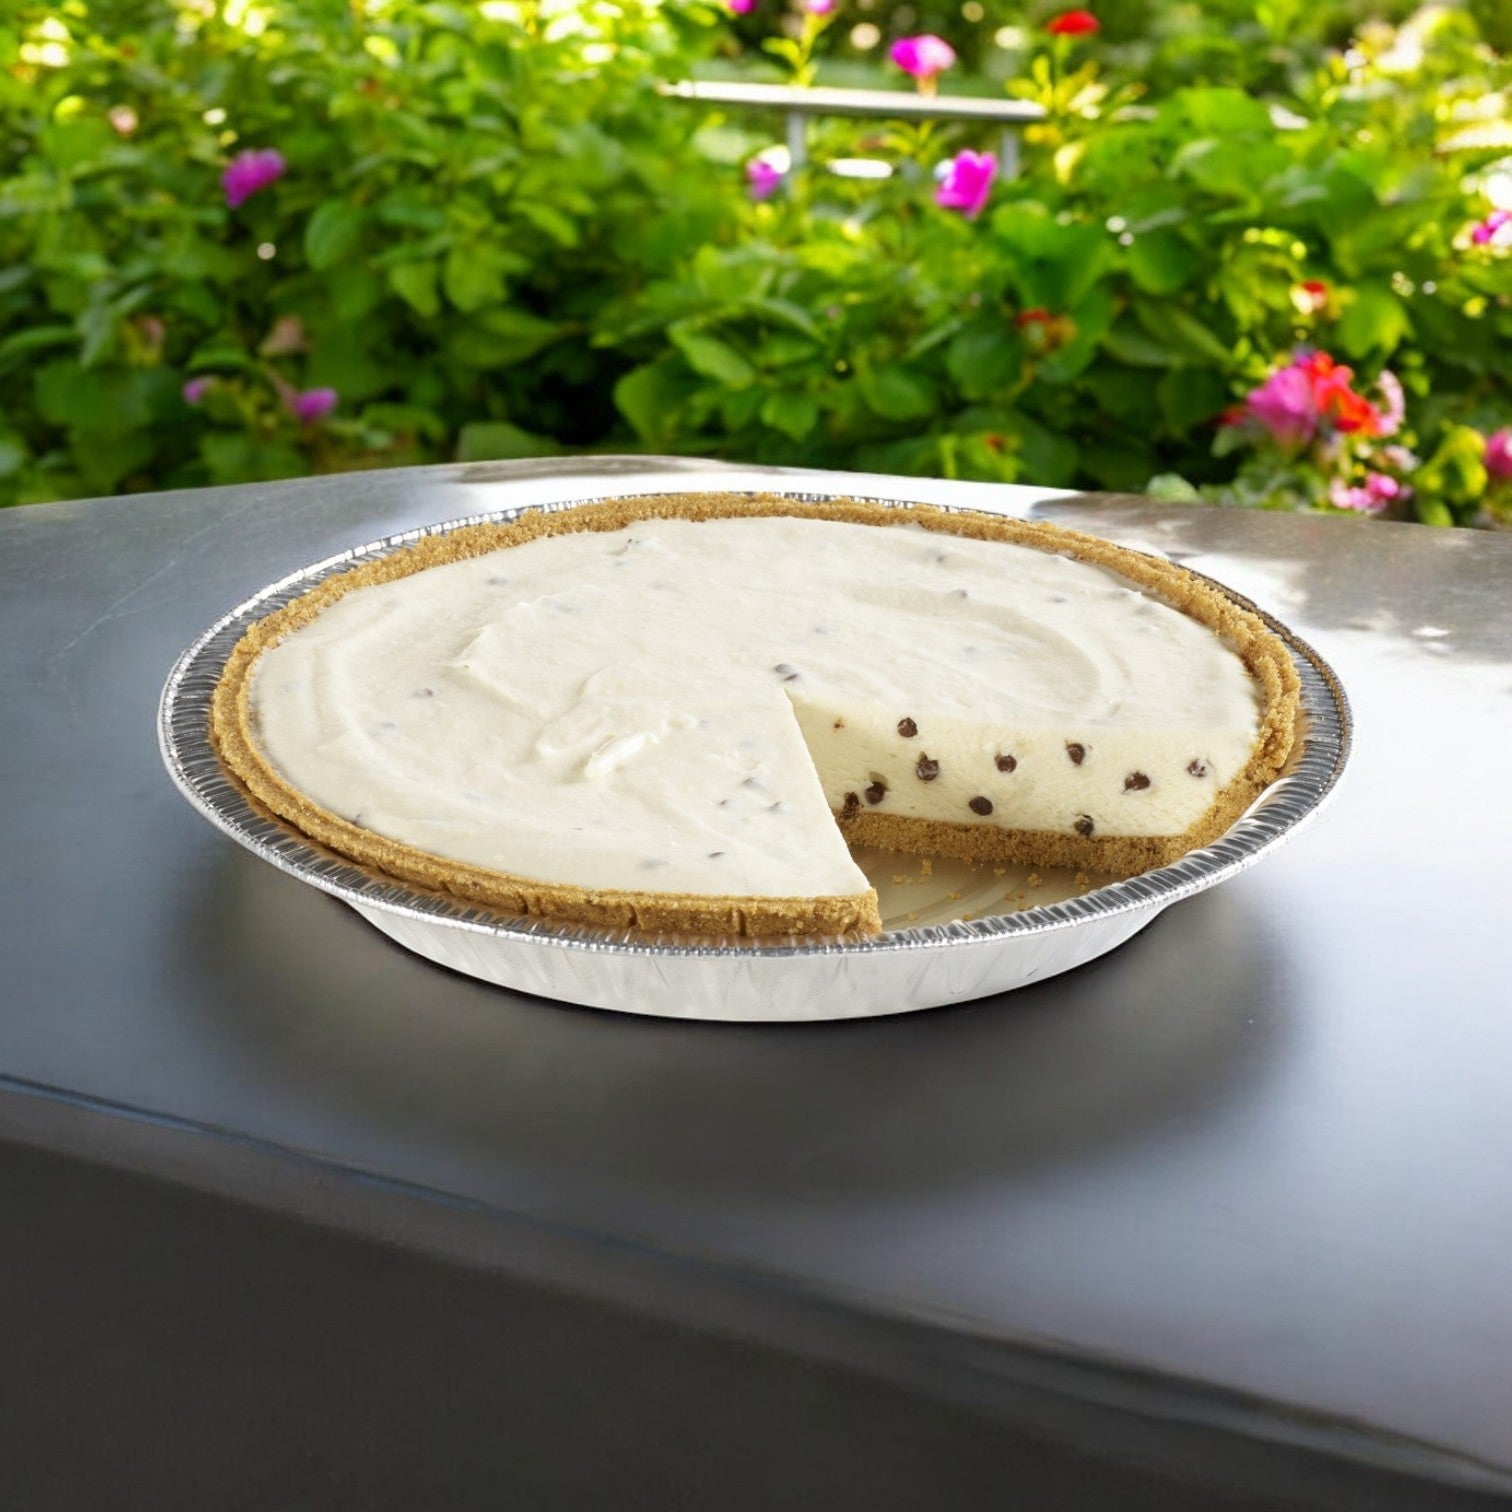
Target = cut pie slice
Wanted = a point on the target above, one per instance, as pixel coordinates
(653, 712)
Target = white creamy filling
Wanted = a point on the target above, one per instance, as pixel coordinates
(617, 710)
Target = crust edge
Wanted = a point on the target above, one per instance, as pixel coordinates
(744, 917)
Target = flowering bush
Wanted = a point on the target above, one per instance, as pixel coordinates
(241, 239)
(244, 240)
(1327, 259)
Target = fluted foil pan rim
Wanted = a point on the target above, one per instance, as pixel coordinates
(184, 739)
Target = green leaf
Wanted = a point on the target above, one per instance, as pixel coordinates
(1181, 333)
(550, 221)
(710, 357)
(104, 459)
(1128, 343)
(984, 358)
(784, 312)
(1161, 262)
(1222, 111)
(415, 284)
(472, 278)
(332, 234)
(12, 456)
(738, 408)
(1190, 397)
(100, 402)
(794, 414)
(783, 349)
(1374, 320)
(1045, 456)
(1056, 264)
(647, 397)
(498, 441)
(1229, 168)
(503, 337)
(895, 393)
(37, 339)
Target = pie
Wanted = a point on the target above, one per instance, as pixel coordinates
(678, 712)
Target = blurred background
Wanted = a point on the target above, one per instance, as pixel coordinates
(1251, 254)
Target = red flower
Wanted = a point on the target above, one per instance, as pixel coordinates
(1073, 23)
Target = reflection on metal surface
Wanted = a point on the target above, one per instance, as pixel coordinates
(902, 970)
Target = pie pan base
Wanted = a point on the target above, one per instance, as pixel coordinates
(951, 932)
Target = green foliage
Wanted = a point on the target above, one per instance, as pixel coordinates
(493, 239)
(462, 198)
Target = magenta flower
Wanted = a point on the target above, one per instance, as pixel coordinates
(923, 57)
(1286, 406)
(741, 7)
(310, 405)
(1498, 456)
(967, 183)
(762, 178)
(1485, 232)
(250, 171)
(820, 7)
(195, 390)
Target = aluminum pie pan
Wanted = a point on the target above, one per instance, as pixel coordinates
(908, 967)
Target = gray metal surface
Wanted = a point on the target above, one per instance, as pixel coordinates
(1249, 1172)
(903, 970)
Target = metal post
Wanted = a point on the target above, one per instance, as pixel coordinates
(797, 139)
(1008, 154)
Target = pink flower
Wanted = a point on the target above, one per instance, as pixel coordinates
(923, 57)
(762, 178)
(1313, 390)
(250, 171)
(1074, 23)
(195, 390)
(1485, 232)
(1286, 406)
(1498, 457)
(310, 405)
(1378, 491)
(820, 7)
(1394, 403)
(967, 183)
(741, 7)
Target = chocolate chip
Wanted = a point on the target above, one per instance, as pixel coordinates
(981, 806)
(1083, 825)
(927, 769)
(1136, 782)
(876, 792)
(851, 807)
(907, 728)
(1007, 763)
(1197, 767)
(1076, 751)
(786, 672)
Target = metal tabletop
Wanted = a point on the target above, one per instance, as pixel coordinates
(1230, 1208)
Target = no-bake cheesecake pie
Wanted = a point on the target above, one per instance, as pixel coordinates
(678, 712)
